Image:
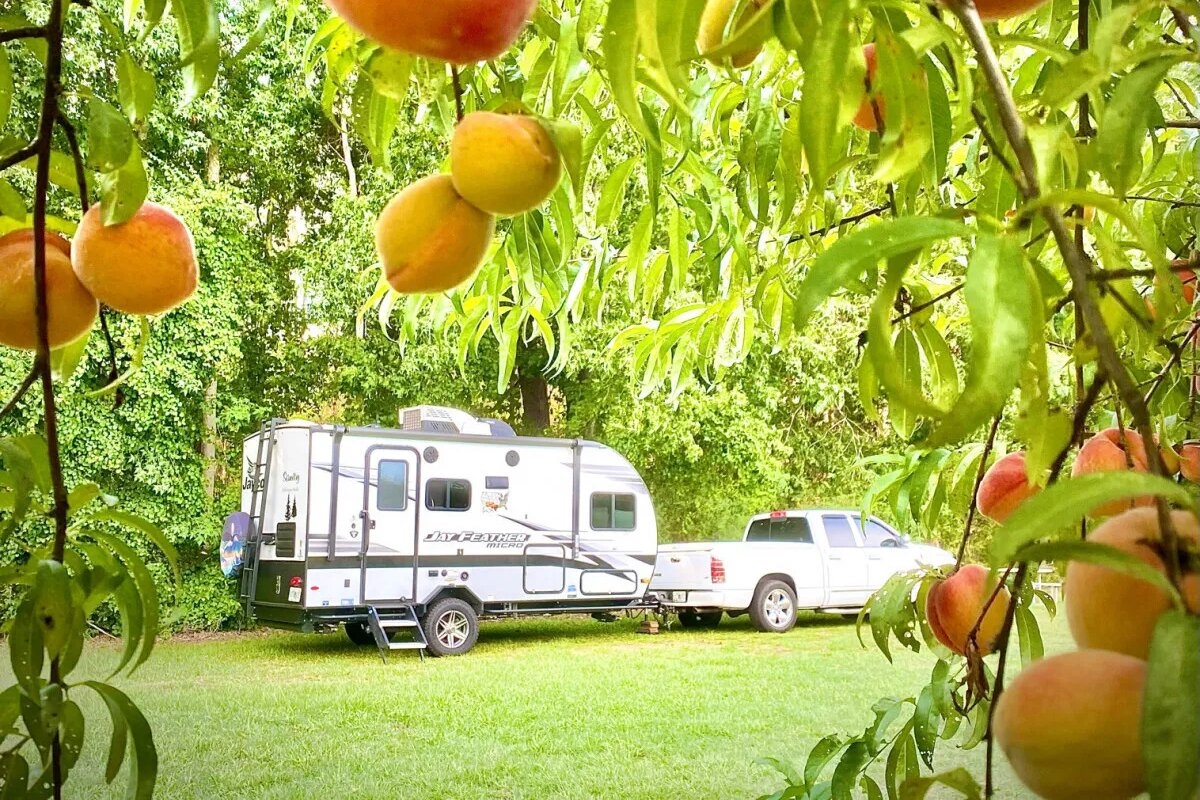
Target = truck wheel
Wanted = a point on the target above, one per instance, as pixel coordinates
(451, 627)
(699, 619)
(774, 607)
(360, 633)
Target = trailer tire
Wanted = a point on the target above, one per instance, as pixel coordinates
(451, 627)
(699, 619)
(360, 633)
(774, 607)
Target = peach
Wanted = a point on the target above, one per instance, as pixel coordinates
(1109, 610)
(714, 21)
(954, 604)
(458, 31)
(145, 265)
(72, 308)
(991, 10)
(429, 238)
(865, 118)
(1189, 461)
(1004, 487)
(1070, 726)
(503, 164)
(1113, 450)
(1186, 276)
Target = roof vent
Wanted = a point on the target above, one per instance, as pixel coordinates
(439, 419)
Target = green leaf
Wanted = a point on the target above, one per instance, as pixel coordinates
(943, 375)
(136, 88)
(6, 88)
(110, 139)
(908, 362)
(926, 721)
(568, 139)
(123, 191)
(829, 72)
(66, 359)
(1170, 724)
(621, 47)
(148, 593)
(374, 115)
(52, 605)
(871, 788)
(135, 363)
(1102, 555)
(960, 780)
(997, 294)
(143, 768)
(908, 126)
(821, 754)
(71, 729)
(1029, 636)
(265, 10)
(613, 194)
(14, 777)
(151, 532)
(896, 767)
(1125, 122)
(849, 767)
(25, 648)
(12, 204)
(199, 45)
(1062, 506)
(390, 72)
(851, 256)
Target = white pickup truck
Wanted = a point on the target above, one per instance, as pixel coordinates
(825, 560)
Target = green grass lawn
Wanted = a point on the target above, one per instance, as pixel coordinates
(541, 708)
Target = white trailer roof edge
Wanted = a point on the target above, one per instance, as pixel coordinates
(396, 433)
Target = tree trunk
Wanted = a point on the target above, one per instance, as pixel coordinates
(535, 400)
(208, 446)
(347, 157)
(213, 163)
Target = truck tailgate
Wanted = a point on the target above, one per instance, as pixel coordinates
(682, 566)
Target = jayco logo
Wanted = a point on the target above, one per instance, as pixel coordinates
(248, 481)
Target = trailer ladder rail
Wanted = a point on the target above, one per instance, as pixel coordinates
(385, 623)
(258, 510)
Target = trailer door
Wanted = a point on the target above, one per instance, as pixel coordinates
(389, 548)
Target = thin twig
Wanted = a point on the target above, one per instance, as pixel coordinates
(998, 684)
(1176, 357)
(1078, 423)
(1182, 123)
(992, 144)
(929, 303)
(983, 466)
(113, 372)
(458, 92)
(29, 32)
(68, 130)
(1185, 27)
(25, 386)
(1106, 275)
(16, 158)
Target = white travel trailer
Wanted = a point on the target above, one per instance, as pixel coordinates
(434, 525)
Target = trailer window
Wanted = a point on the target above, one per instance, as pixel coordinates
(614, 512)
(444, 494)
(393, 486)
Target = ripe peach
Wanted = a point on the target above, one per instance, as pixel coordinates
(1113, 450)
(714, 21)
(145, 265)
(865, 118)
(1189, 461)
(72, 308)
(1113, 611)
(954, 604)
(991, 10)
(430, 239)
(1004, 487)
(1070, 726)
(503, 164)
(458, 31)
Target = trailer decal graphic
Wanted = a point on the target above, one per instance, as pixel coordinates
(492, 540)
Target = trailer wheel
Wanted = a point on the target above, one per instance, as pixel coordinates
(451, 627)
(360, 633)
(699, 619)
(774, 607)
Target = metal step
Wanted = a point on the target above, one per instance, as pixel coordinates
(403, 618)
(399, 622)
(406, 645)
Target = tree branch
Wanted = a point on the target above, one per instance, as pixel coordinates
(458, 92)
(929, 303)
(1176, 357)
(998, 685)
(68, 130)
(1182, 123)
(27, 384)
(983, 466)
(19, 156)
(30, 32)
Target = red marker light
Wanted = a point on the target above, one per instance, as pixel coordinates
(296, 581)
(778, 514)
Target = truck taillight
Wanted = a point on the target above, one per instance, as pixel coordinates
(716, 570)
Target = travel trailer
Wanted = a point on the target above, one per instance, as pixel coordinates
(433, 525)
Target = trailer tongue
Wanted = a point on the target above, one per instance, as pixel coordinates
(426, 528)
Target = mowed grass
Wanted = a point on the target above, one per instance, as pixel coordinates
(541, 708)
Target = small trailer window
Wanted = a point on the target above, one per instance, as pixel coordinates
(614, 512)
(393, 486)
(444, 494)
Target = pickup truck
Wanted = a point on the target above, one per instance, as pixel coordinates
(824, 560)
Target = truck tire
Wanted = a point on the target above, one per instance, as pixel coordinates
(360, 633)
(774, 607)
(699, 619)
(451, 627)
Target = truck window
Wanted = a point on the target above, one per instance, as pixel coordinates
(393, 486)
(838, 531)
(613, 512)
(446, 494)
(879, 536)
(785, 529)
